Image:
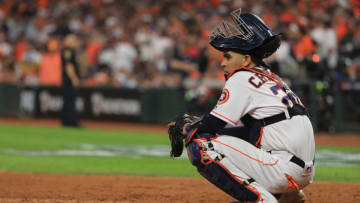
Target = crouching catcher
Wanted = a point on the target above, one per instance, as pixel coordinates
(257, 143)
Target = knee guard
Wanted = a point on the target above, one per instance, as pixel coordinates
(219, 175)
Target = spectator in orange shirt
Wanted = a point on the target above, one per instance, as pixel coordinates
(304, 46)
(93, 48)
(20, 48)
(50, 67)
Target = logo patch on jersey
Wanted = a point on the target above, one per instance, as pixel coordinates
(224, 96)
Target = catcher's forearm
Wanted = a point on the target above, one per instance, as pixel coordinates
(208, 124)
(238, 131)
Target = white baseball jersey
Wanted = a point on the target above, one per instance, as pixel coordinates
(250, 93)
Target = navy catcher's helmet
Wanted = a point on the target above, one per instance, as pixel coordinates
(246, 34)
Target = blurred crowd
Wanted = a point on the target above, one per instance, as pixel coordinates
(150, 44)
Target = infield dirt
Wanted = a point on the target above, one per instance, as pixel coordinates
(19, 187)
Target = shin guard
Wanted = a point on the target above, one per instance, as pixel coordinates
(219, 175)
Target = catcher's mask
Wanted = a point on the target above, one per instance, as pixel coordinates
(245, 34)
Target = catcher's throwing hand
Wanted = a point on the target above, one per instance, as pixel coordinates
(177, 132)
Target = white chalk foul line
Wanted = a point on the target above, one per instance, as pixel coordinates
(323, 157)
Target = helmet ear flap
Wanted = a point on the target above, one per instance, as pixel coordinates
(267, 48)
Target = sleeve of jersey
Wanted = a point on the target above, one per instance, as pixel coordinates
(235, 100)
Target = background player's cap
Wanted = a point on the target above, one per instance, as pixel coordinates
(246, 34)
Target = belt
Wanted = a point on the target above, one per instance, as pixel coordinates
(296, 160)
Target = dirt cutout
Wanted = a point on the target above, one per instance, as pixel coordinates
(19, 187)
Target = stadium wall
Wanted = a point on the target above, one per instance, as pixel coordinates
(158, 106)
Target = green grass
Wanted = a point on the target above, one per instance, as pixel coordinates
(145, 166)
(19, 137)
(338, 174)
(43, 138)
(341, 149)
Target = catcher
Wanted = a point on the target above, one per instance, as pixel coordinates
(257, 144)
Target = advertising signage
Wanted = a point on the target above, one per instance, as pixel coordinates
(91, 103)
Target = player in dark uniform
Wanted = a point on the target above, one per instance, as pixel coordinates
(70, 81)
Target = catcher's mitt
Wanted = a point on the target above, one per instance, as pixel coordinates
(176, 136)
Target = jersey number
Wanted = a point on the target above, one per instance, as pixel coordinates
(286, 100)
